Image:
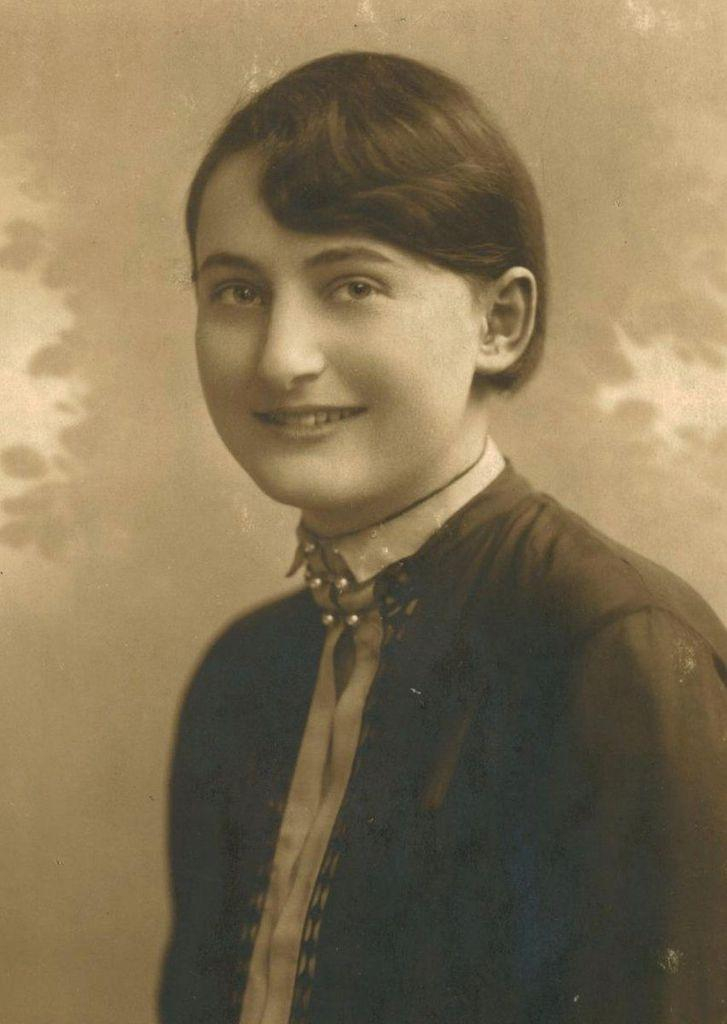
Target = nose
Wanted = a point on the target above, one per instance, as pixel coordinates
(290, 347)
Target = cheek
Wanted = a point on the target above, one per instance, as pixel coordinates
(224, 360)
(413, 405)
(424, 373)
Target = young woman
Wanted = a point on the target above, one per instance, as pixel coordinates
(472, 772)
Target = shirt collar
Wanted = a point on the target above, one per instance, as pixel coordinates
(369, 551)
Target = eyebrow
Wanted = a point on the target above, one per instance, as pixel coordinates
(342, 253)
(227, 259)
(326, 257)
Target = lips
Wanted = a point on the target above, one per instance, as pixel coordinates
(310, 416)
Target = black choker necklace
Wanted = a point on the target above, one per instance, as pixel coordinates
(399, 512)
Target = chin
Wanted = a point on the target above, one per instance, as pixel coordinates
(303, 491)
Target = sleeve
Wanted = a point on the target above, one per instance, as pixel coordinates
(196, 968)
(646, 854)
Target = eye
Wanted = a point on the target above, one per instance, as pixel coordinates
(355, 290)
(237, 295)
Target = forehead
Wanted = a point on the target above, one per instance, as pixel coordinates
(231, 201)
(235, 219)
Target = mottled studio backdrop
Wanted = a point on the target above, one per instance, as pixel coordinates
(127, 534)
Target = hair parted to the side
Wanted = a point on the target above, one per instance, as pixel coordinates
(385, 146)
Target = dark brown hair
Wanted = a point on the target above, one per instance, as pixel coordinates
(384, 146)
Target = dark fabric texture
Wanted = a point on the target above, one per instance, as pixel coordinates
(535, 831)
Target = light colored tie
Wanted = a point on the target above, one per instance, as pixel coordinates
(348, 665)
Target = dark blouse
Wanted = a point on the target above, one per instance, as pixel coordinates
(535, 831)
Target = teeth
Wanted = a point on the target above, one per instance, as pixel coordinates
(310, 419)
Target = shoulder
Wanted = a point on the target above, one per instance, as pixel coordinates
(641, 657)
(261, 632)
(266, 648)
(631, 660)
(560, 577)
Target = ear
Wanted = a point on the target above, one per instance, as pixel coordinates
(508, 321)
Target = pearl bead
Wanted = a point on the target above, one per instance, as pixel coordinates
(309, 547)
(342, 583)
(327, 619)
(315, 583)
(352, 620)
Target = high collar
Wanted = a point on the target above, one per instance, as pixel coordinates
(368, 552)
(462, 534)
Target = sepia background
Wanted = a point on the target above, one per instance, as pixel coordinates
(128, 536)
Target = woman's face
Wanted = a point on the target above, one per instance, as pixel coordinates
(338, 370)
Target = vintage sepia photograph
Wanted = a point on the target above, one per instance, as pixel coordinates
(363, 512)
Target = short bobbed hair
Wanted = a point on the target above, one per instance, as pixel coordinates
(380, 145)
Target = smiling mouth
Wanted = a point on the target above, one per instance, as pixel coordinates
(308, 417)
